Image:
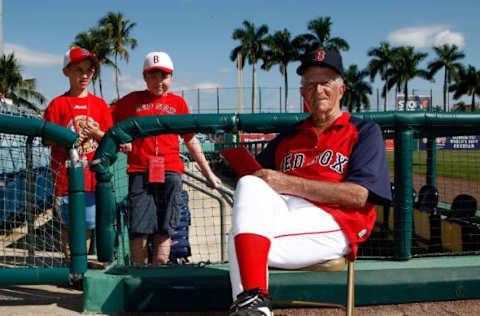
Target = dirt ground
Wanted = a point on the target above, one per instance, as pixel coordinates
(449, 188)
(50, 300)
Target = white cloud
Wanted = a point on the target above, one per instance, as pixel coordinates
(206, 85)
(426, 36)
(32, 58)
(128, 83)
(449, 37)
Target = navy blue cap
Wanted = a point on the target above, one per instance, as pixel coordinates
(321, 57)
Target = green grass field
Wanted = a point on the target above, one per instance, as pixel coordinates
(454, 164)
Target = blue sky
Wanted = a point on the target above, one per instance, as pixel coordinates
(197, 35)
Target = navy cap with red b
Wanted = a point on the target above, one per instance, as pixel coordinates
(322, 57)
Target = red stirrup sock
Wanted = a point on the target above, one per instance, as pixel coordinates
(252, 256)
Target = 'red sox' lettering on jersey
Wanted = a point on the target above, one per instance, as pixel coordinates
(305, 160)
(141, 103)
(159, 107)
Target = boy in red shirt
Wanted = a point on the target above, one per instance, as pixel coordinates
(87, 115)
(155, 167)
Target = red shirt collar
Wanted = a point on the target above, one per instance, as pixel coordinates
(340, 121)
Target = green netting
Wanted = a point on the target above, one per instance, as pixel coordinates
(207, 227)
(438, 226)
(30, 227)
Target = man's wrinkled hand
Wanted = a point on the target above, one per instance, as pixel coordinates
(277, 180)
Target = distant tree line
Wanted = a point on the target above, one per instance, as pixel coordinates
(110, 41)
(396, 66)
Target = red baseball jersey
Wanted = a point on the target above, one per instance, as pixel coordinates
(73, 113)
(349, 150)
(142, 103)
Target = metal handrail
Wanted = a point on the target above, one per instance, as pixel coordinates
(220, 198)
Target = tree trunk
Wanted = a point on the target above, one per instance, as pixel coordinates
(286, 87)
(100, 82)
(116, 76)
(445, 91)
(254, 85)
(405, 93)
(386, 96)
(94, 88)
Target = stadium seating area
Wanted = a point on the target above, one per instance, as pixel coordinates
(13, 197)
(435, 229)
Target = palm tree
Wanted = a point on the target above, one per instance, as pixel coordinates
(13, 86)
(282, 50)
(405, 68)
(117, 30)
(461, 107)
(382, 61)
(447, 55)
(357, 90)
(468, 83)
(321, 37)
(95, 41)
(252, 41)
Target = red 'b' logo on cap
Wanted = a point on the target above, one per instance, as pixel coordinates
(155, 59)
(320, 55)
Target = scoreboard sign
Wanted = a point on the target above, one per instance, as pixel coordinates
(414, 103)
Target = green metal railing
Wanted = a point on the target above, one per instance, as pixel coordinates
(32, 127)
(406, 126)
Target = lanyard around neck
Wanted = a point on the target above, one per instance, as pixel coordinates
(70, 106)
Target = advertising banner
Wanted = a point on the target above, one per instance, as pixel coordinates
(414, 103)
(454, 143)
(256, 137)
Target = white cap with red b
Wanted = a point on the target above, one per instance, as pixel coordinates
(157, 60)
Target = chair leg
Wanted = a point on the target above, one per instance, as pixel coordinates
(350, 289)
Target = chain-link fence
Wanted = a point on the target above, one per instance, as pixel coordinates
(30, 228)
(206, 214)
(230, 100)
(272, 100)
(445, 218)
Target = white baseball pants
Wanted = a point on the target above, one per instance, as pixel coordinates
(301, 234)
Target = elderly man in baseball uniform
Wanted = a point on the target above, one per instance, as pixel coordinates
(313, 201)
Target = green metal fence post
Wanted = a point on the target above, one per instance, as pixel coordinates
(77, 232)
(403, 211)
(29, 202)
(105, 220)
(431, 161)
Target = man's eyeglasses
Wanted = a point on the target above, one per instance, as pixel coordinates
(310, 85)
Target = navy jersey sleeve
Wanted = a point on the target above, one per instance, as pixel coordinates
(267, 157)
(368, 165)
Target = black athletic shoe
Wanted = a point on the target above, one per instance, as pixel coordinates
(252, 303)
